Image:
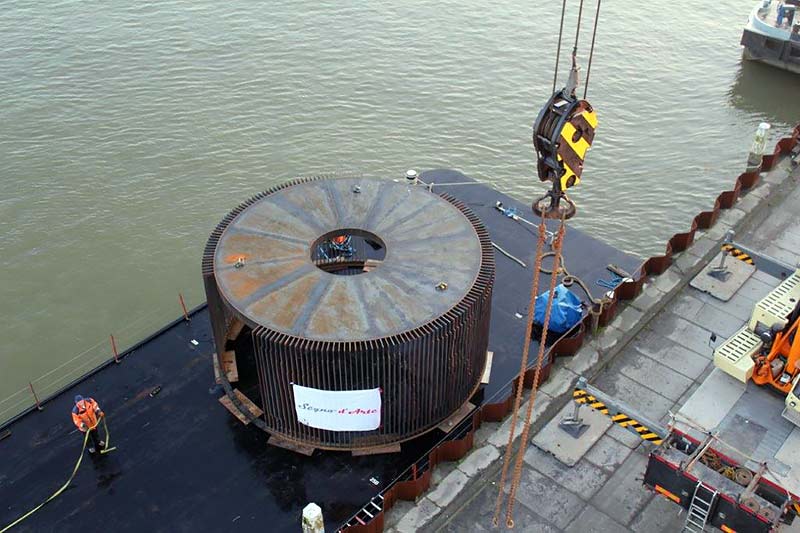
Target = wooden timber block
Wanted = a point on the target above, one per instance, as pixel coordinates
(391, 448)
(371, 264)
(280, 442)
(487, 370)
(234, 410)
(448, 424)
(228, 364)
(215, 361)
(249, 405)
(236, 328)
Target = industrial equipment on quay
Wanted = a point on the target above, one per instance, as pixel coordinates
(695, 474)
(767, 349)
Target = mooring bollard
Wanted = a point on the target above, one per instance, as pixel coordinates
(312, 519)
(114, 349)
(757, 150)
(35, 397)
(183, 306)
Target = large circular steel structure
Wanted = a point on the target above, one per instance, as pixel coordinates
(366, 304)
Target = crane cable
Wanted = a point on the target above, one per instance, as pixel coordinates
(578, 29)
(575, 45)
(557, 252)
(526, 427)
(558, 48)
(523, 367)
(591, 50)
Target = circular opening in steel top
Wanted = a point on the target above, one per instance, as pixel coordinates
(348, 252)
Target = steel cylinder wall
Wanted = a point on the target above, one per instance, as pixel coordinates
(416, 325)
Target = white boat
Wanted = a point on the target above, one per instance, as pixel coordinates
(772, 34)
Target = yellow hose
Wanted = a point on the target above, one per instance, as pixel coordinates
(106, 448)
(66, 484)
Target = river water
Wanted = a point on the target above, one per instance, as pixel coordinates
(128, 129)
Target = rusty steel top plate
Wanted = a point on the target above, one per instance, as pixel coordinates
(428, 240)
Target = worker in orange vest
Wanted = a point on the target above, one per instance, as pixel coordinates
(87, 414)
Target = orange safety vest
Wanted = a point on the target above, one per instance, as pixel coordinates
(86, 412)
(340, 239)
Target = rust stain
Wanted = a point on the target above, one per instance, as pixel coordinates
(243, 282)
(338, 311)
(232, 258)
(257, 247)
(243, 285)
(284, 306)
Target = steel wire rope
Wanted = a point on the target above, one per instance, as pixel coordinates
(76, 371)
(558, 48)
(578, 29)
(125, 329)
(7, 398)
(23, 401)
(73, 373)
(528, 330)
(591, 51)
(554, 274)
(37, 380)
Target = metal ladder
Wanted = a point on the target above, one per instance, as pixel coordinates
(699, 509)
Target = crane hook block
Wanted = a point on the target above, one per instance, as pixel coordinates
(562, 134)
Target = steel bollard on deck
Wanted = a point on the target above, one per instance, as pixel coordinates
(757, 150)
(312, 519)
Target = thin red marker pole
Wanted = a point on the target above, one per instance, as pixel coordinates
(183, 306)
(114, 349)
(35, 397)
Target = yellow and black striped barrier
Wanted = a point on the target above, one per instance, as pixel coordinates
(737, 253)
(582, 396)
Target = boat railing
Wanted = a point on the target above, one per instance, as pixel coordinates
(764, 19)
(109, 349)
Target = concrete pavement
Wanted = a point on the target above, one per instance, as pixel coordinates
(653, 356)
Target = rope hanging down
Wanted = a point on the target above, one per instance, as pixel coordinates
(523, 367)
(557, 247)
(562, 134)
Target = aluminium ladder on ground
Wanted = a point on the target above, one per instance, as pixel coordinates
(699, 509)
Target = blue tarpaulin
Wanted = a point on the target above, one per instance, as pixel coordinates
(566, 310)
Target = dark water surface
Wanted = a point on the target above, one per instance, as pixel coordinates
(129, 129)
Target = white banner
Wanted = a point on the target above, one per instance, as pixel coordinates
(350, 410)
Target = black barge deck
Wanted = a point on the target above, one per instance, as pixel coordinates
(184, 463)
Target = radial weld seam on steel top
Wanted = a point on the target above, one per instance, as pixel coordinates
(353, 284)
